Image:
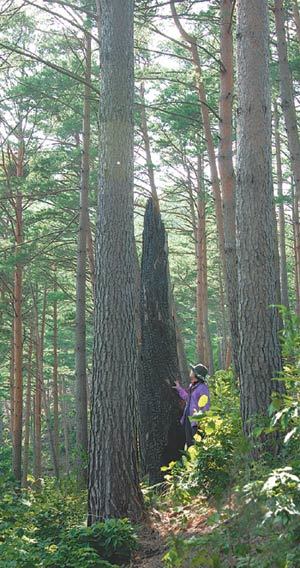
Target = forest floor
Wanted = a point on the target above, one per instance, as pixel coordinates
(185, 521)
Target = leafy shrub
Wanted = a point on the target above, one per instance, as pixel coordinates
(114, 539)
(43, 529)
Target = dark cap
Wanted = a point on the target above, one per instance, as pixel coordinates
(200, 370)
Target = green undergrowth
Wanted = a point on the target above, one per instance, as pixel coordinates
(46, 527)
(256, 518)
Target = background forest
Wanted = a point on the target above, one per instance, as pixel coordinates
(235, 495)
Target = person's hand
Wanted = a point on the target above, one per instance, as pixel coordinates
(177, 384)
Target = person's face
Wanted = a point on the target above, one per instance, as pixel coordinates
(193, 377)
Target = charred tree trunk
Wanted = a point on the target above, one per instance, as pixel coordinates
(183, 366)
(162, 438)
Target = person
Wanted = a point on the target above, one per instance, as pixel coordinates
(196, 399)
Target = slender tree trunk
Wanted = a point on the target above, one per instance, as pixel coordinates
(296, 17)
(184, 369)
(282, 245)
(150, 167)
(226, 169)
(198, 216)
(260, 358)
(47, 414)
(18, 334)
(12, 381)
(81, 377)
(1, 424)
(201, 290)
(113, 445)
(27, 414)
(207, 132)
(296, 231)
(55, 380)
(65, 423)
(38, 398)
(287, 96)
(90, 253)
(223, 322)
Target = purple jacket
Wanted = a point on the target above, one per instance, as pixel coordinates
(195, 403)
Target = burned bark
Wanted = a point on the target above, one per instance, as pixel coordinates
(162, 438)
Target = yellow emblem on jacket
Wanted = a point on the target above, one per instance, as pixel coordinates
(203, 400)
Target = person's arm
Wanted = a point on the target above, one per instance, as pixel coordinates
(181, 391)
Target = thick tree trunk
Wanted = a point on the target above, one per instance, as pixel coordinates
(81, 377)
(260, 359)
(113, 476)
(282, 245)
(227, 175)
(287, 96)
(161, 436)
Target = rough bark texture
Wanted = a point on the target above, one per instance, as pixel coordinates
(227, 175)
(282, 246)
(260, 358)
(80, 351)
(161, 434)
(113, 479)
